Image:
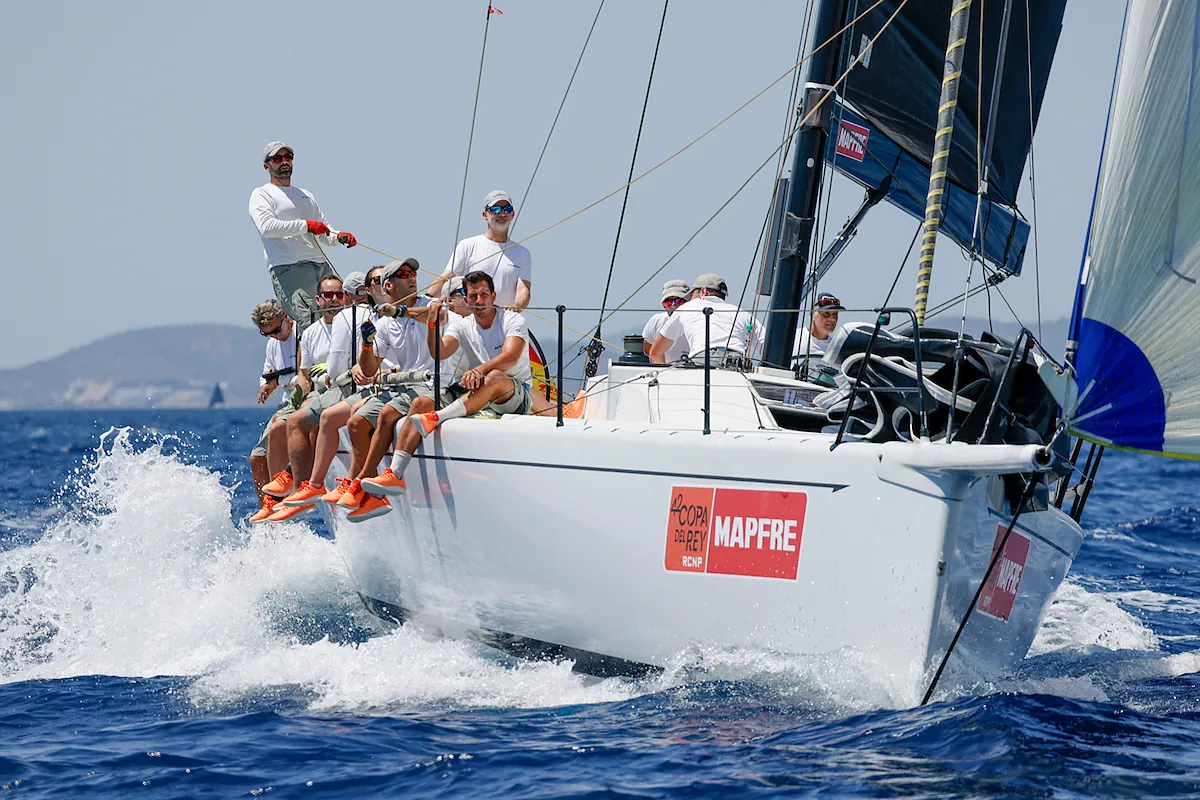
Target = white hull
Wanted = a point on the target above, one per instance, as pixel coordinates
(562, 540)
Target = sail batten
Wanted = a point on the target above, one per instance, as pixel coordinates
(1139, 319)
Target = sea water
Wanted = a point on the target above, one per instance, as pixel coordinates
(153, 644)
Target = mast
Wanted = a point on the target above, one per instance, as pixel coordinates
(805, 187)
(960, 18)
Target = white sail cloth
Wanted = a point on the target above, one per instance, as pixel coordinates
(1138, 331)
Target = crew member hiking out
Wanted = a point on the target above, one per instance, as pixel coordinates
(509, 265)
(269, 456)
(290, 224)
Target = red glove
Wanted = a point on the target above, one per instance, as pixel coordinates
(347, 238)
(317, 228)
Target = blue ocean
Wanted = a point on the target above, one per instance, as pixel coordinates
(153, 645)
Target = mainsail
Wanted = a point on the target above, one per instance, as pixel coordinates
(1137, 313)
(889, 108)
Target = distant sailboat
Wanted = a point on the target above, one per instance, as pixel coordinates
(218, 397)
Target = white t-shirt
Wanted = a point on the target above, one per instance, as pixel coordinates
(403, 341)
(279, 355)
(346, 338)
(483, 344)
(314, 344)
(506, 266)
(654, 327)
(805, 343)
(281, 213)
(728, 328)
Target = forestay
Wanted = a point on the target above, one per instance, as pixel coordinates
(1137, 316)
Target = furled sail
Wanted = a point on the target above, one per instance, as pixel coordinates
(863, 153)
(897, 85)
(1137, 316)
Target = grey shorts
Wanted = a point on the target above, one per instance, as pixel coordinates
(520, 403)
(260, 449)
(327, 399)
(398, 397)
(296, 288)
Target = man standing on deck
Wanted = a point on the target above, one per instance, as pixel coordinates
(292, 228)
(731, 332)
(813, 340)
(674, 294)
(269, 456)
(509, 265)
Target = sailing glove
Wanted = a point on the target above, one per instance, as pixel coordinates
(347, 238)
(368, 331)
(317, 228)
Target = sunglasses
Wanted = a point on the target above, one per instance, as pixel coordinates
(376, 279)
(673, 302)
(280, 158)
(278, 328)
(825, 302)
(333, 295)
(403, 273)
(500, 209)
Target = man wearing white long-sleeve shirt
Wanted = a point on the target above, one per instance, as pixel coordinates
(290, 221)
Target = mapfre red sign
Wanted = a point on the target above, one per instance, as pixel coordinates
(1000, 591)
(852, 140)
(748, 532)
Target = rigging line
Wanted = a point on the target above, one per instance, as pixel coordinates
(792, 108)
(471, 136)
(1037, 264)
(596, 348)
(557, 114)
(799, 123)
(693, 142)
(904, 261)
(771, 207)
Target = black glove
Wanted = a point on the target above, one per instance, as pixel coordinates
(368, 331)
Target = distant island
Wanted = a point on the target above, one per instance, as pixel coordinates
(179, 366)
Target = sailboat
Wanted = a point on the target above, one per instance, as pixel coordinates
(909, 509)
(217, 399)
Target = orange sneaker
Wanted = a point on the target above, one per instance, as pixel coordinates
(426, 423)
(353, 496)
(387, 483)
(333, 495)
(268, 508)
(281, 485)
(284, 513)
(304, 495)
(372, 506)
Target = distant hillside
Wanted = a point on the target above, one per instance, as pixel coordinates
(168, 367)
(177, 367)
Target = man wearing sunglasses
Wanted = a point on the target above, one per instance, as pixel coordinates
(674, 294)
(269, 456)
(510, 265)
(813, 340)
(291, 226)
(732, 333)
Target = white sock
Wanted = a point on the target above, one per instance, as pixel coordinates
(453, 411)
(400, 461)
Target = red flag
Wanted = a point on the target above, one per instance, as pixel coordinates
(494, 10)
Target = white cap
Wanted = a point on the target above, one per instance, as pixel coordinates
(353, 282)
(495, 196)
(675, 288)
(273, 148)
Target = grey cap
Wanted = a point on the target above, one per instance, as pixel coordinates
(711, 281)
(675, 288)
(273, 148)
(391, 269)
(495, 196)
(355, 281)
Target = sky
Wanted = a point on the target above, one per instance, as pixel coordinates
(134, 134)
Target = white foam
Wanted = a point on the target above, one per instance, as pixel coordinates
(1080, 621)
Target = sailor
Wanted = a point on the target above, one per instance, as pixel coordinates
(313, 383)
(291, 226)
(731, 332)
(509, 264)
(814, 339)
(400, 286)
(269, 456)
(674, 294)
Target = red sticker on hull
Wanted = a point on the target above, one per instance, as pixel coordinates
(1000, 591)
(747, 532)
